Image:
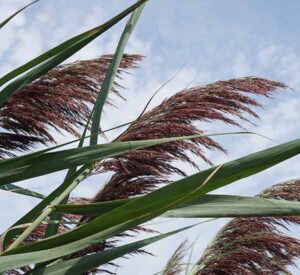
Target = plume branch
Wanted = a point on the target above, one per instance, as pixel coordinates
(175, 265)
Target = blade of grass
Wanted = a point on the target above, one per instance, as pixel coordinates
(20, 190)
(111, 74)
(35, 154)
(26, 167)
(62, 52)
(2, 24)
(91, 209)
(78, 266)
(71, 183)
(86, 263)
(157, 202)
(52, 229)
(219, 206)
(206, 206)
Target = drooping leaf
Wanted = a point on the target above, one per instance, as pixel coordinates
(33, 165)
(151, 205)
(86, 263)
(54, 57)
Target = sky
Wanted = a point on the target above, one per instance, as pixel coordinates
(214, 40)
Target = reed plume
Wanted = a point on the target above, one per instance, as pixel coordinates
(255, 245)
(141, 171)
(59, 100)
(175, 264)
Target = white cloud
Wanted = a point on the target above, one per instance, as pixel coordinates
(212, 47)
(240, 66)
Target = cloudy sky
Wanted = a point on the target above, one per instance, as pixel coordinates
(214, 39)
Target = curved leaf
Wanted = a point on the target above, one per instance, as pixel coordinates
(150, 206)
(55, 56)
(3, 23)
(34, 165)
(86, 263)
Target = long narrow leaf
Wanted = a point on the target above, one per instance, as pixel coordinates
(62, 52)
(111, 74)
(91, 209)
(34, 212)
(2, 24)
(26, 167)
(86, 263)
(207, 206)
(22, 191)
(218, 206)
(153, 204)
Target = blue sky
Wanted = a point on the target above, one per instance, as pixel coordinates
(215, 39)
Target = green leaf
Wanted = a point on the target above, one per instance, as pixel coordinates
(34, 165)
(67, 186)
(152, 205)
(19, 190)
(91, 209)
(81, 140)
(111, 74)
(71, 183)
(34, 212)
(52, 229)
(86, 263)
(52, 58)
(218, 206)
(2, 24)
(206, 206)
